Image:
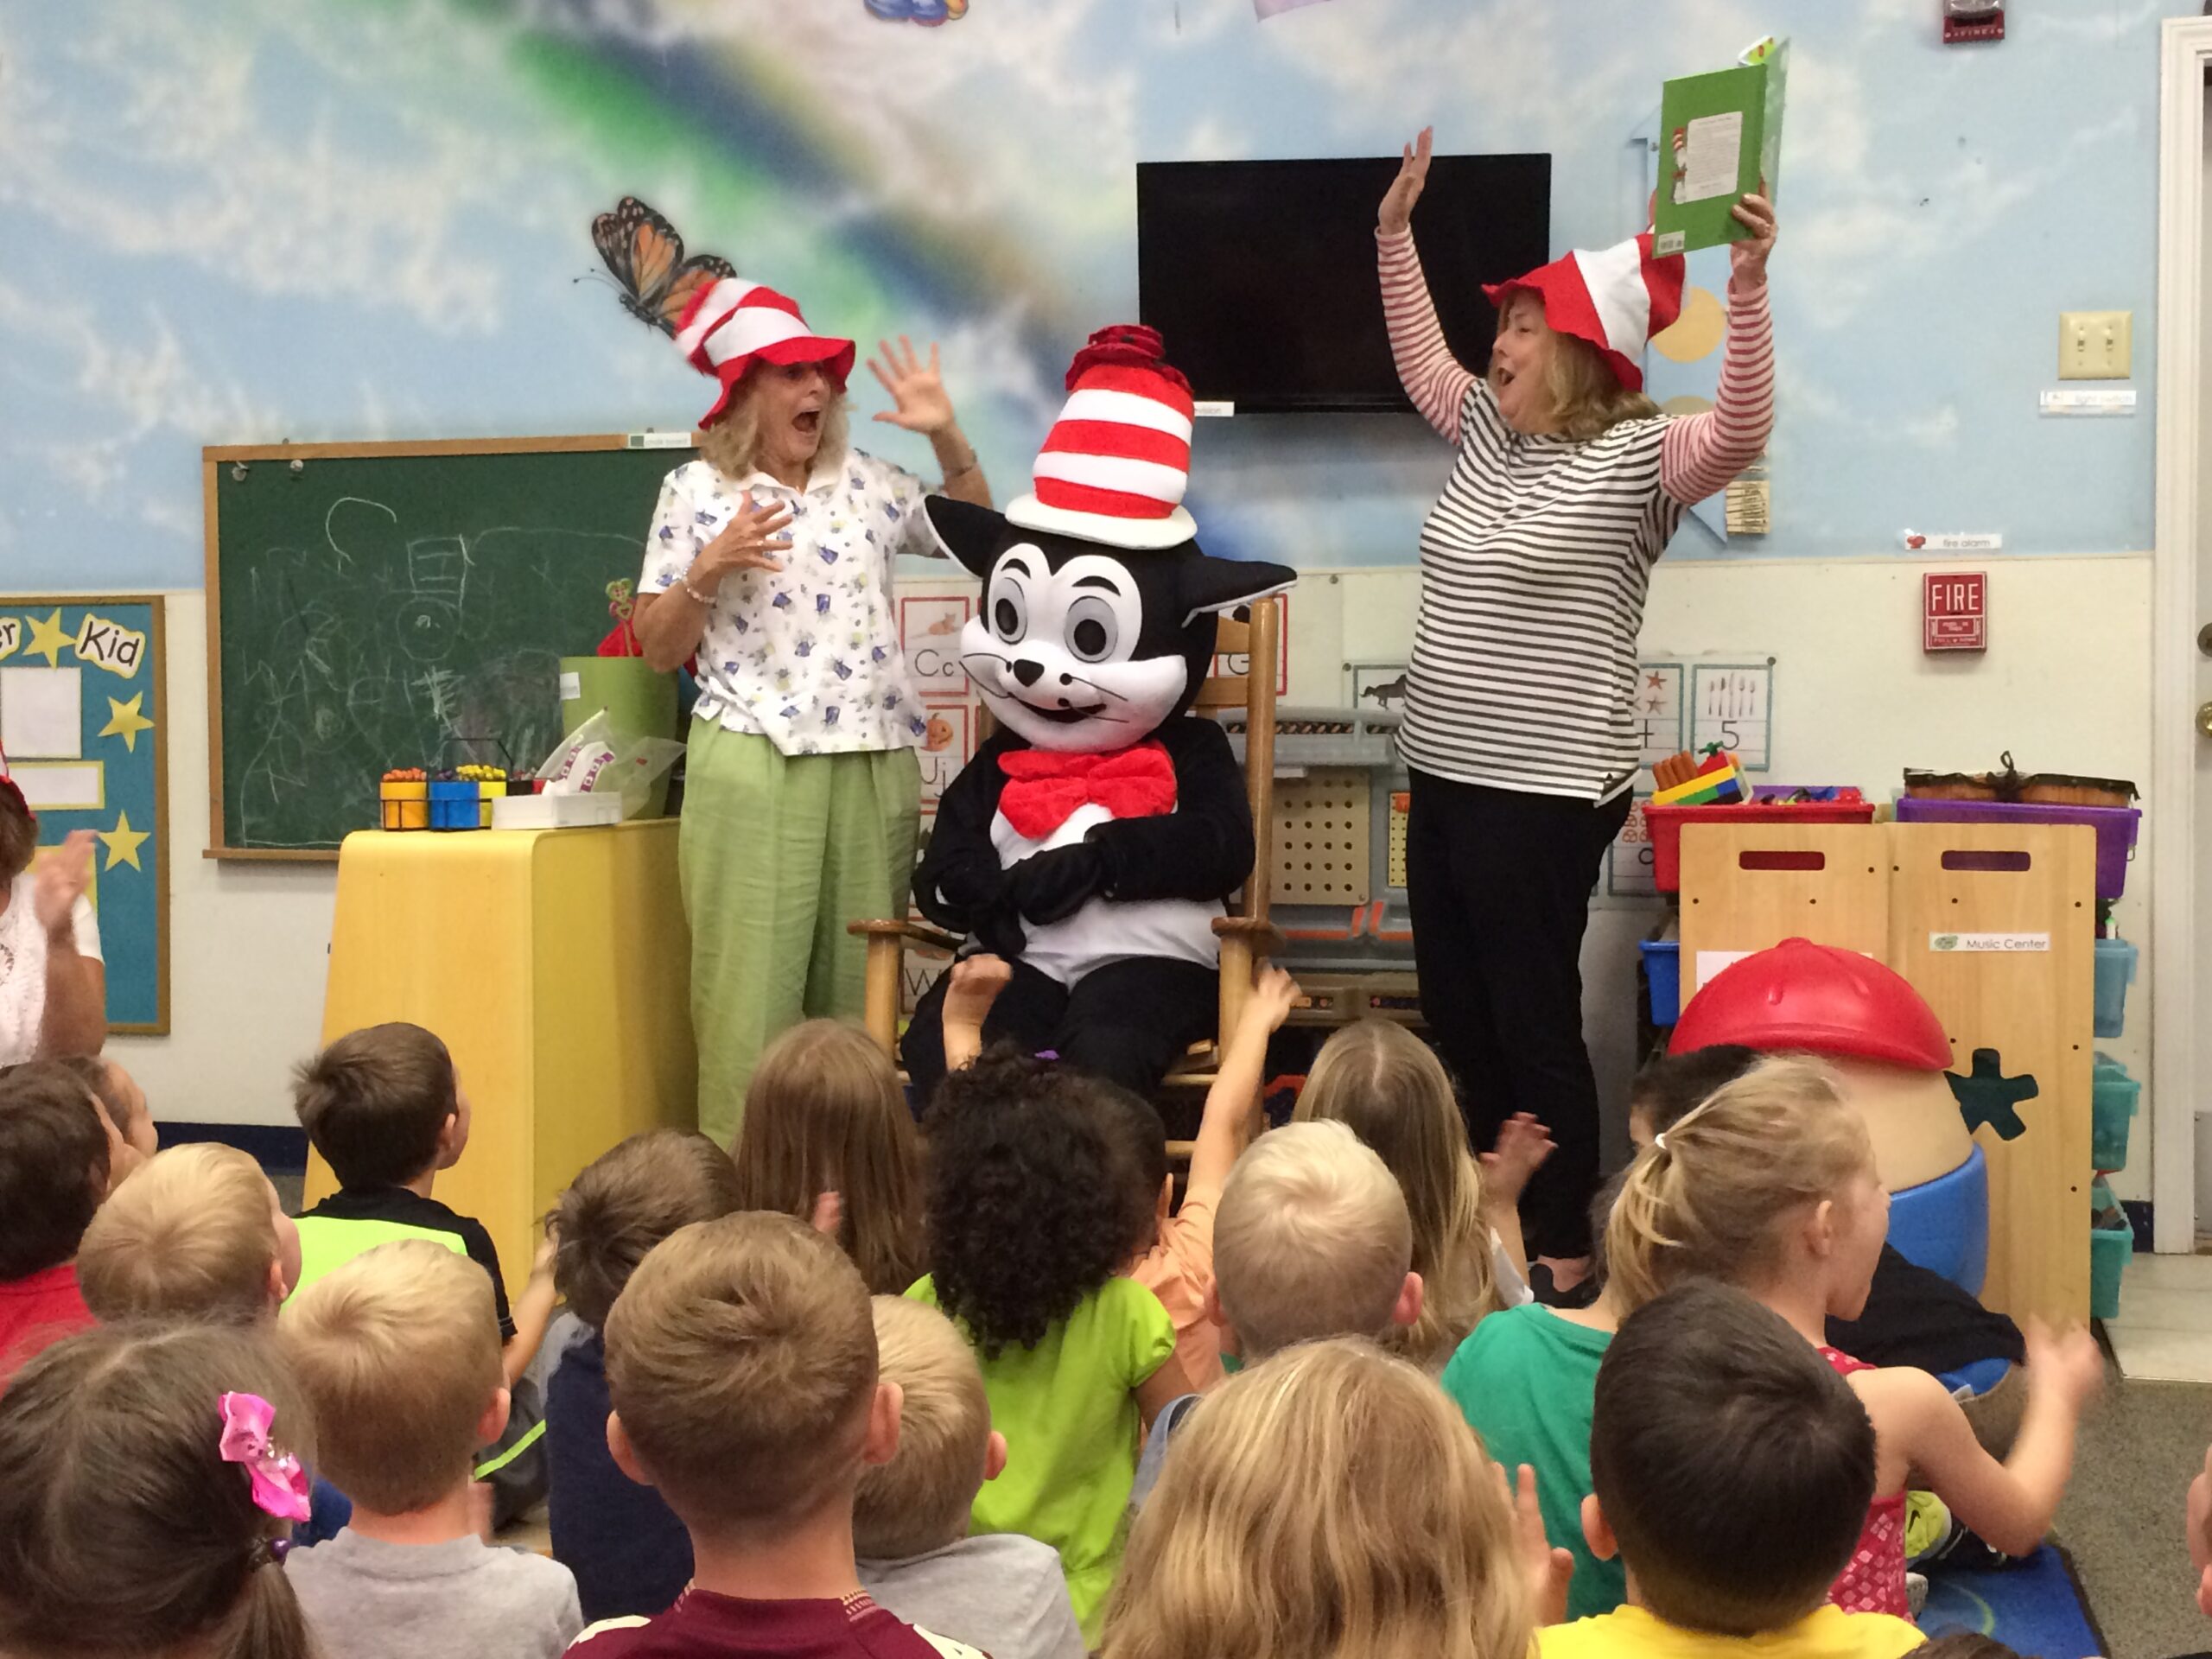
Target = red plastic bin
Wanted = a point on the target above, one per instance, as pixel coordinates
(1664, 824)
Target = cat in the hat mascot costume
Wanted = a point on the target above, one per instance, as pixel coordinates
(1094, 838)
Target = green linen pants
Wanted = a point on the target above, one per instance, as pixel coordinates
(778, 853)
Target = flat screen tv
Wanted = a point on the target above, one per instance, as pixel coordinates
(1261, 275)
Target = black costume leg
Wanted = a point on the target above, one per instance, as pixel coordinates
(1026, 1011)
(1129, 1021)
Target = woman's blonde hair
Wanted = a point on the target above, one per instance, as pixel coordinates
(1705, 1198)
(824, 1113)
(1390, 1089)
(1584, 396)
(1395, 1541)
(731, 445)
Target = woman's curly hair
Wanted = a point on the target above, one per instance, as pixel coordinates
(1027, 1212)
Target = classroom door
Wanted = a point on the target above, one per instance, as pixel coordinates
(2200, 621)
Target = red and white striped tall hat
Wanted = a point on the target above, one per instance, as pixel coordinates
(1616, 298)
(1115, 463)
(732, 321)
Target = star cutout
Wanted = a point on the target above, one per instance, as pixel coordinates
(123, 842)
(123, 721)
(1989, 1097)
(47, 637)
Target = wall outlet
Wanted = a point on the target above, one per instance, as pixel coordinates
(2094, 345)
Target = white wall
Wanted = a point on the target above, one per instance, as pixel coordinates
(2064, 685)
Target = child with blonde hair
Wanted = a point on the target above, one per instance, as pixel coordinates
(147, 1477)
(1391, 1089)
(630, 1554)
(824, 1113)
(1770, 1187)
(199, 1233)
(398, 1356)
(1393, 1539)
(1032, 1216)
(743, 1359)
(1000, 1591)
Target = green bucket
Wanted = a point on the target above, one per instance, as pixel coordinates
(639, 702)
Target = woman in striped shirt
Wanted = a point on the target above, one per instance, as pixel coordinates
(1534, 565)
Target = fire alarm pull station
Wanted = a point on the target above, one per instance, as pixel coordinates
(1955, 611)
(1973, 20)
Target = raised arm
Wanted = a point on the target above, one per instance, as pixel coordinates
(1432, 378)
(918, 389)
(1701, 452)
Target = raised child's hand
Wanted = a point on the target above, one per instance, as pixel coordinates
(1523, 1143)
(1274, 994)
(1549, 1570)
(976, 982)
(540, 1266)
(2070, 1362)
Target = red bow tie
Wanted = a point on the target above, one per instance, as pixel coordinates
(1044, 786)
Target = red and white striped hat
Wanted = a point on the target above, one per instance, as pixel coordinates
(733, 321)
(1115, 463)
(1616, 298)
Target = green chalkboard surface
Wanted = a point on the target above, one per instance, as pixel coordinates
(399, 604)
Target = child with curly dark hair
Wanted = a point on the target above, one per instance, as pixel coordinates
(1030, 1216)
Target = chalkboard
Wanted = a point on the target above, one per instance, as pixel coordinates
(374, 606)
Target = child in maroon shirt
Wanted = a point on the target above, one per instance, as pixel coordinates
(54, 1151)
(742, 1364)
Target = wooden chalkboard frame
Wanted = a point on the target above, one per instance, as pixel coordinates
(215, 456)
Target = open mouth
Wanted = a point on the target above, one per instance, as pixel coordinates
(1504, 378)
(809, 423)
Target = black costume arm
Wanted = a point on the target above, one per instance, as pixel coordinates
(1201, 850)
(959, 875)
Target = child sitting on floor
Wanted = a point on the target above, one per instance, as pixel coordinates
(1771, 1185)
(198, 1233)
(399, 1358)
(1000, 1591)
(1031, 1216)
(1329, 1503)
(629, 1552)
(124, 1102)
(1732, 1472)
(147, 1476)
(1389, 1085)
(57, 1148)
(824, 1113)
(742, 1361)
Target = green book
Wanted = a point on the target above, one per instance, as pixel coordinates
(1721, 134)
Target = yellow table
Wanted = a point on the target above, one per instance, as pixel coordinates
(555, 964)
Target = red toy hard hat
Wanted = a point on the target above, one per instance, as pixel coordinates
(1817, 999)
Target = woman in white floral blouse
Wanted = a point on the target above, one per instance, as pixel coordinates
(770, 564)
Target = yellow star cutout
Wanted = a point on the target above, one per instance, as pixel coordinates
(47, 637)
(123, 721)
(123, 842)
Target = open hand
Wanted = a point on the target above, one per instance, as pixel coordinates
(976, 982)
(916, 388)
(1747, 258)
(750, 541)
(1523, 1143)
(2069, 1362)
(63, 875)
(1549, 1570)
(1274, 994)
(1397, 211)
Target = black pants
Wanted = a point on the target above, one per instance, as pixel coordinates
(1499, 887)
(1127, 1022)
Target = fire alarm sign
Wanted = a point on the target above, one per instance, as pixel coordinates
(1955, 611)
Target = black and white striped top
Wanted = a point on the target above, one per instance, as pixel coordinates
(1534, 563)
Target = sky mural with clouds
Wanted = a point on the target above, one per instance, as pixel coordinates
(244, 220)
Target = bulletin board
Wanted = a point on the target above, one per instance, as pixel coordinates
(83, 716)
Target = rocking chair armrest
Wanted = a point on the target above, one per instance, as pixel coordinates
(912, 931)
(1259, 936)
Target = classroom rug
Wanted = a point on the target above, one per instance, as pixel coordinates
(2034, 1606)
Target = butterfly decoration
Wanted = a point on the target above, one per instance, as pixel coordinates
(647, 256)
(928, 13)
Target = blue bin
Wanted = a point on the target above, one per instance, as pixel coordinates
(1662, 967)
(456, 806)
(1943, 1224)
(2114, 1099)
(2116, 973)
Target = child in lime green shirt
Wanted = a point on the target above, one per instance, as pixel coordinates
(1031, 1216)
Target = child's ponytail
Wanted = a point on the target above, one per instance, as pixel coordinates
(1704, 1199)
(268, 1622)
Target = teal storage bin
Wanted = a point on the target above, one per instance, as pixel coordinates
(2109, 1249)
(2114, 1097)
(2116, 973)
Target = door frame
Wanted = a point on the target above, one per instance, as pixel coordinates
(2185, 55)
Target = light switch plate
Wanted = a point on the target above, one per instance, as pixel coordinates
(2094, 345)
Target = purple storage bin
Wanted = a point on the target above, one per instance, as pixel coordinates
(2116, 827)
